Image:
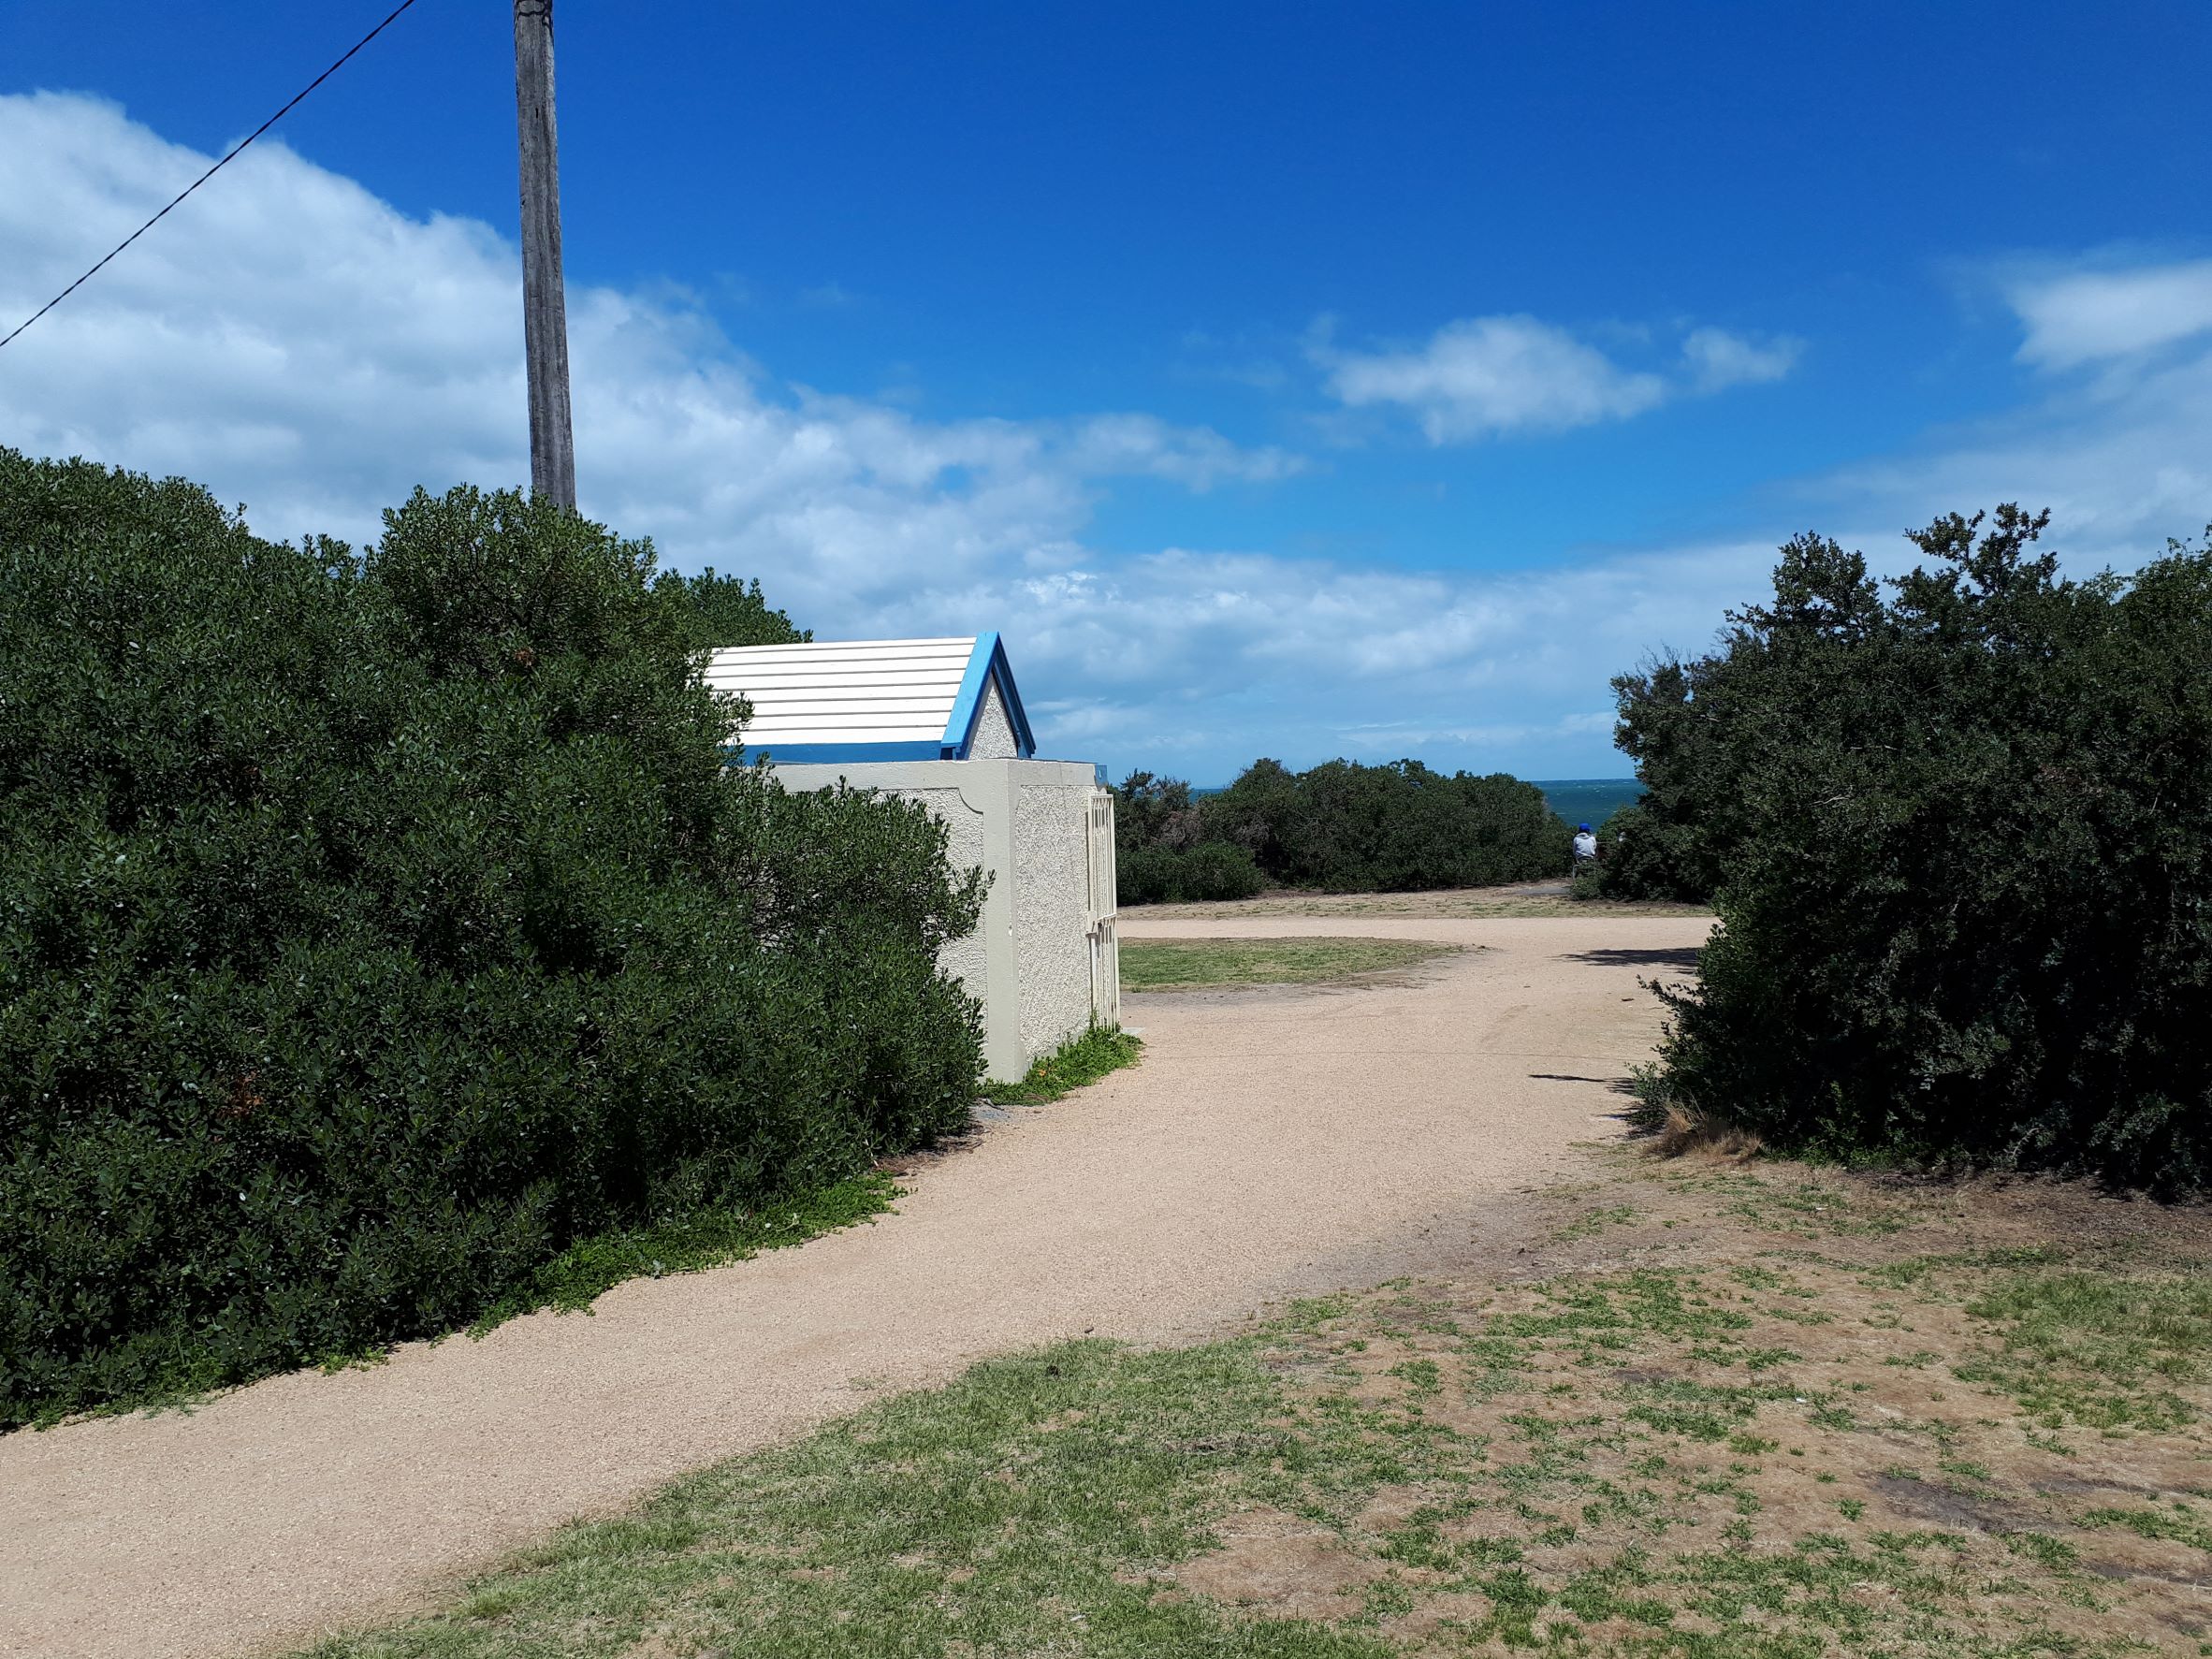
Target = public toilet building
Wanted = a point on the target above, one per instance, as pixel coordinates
(940, 721)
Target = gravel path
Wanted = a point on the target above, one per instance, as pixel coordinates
(1272, 1143)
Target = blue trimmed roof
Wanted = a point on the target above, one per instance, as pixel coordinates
(871, 700)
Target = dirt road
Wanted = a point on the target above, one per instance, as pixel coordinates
(1270, 1142)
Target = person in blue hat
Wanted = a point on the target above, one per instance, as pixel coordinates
(1585, 848)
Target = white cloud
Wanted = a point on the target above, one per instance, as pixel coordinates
(1482, 377)
(1717, 358)
(2082, 316)
(2117, 454)
(301, 346)
(310, 350)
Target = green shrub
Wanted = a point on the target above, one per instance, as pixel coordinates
(1216, 869)
(1150, 812)
(373, 930)
(1343, 826)
(1961, 836)
(1647, 851)
(1147, 876)
(1668, 845)
(1352, 828)
(1157, 875)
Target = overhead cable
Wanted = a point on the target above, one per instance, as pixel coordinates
(188, 189)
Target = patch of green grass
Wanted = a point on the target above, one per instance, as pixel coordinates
(1808, 1210)
(1423, 1379)
(1215, 964)
(1595, 1222)
(2098, 1349)
(2053, 1554)
(572, 1280)
(1031, 1506)
(1078, 1061)
(2178, 1525)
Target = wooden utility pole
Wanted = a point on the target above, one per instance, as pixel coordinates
(544, 310)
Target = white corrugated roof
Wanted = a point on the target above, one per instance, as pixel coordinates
(877, 690)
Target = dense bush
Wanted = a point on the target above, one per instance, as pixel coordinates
(1649, 851)
(1147, 876)
(1666, 846)
(1216, 869)
(1152, 812)
(1164, 875)
(1350, 828)
(1961, 834)
(1343, 826)
(373, 928)
(1162, 853)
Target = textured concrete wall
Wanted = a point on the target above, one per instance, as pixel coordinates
(1051, 903)
(965, 959)
(1024, 824)
(994, 730)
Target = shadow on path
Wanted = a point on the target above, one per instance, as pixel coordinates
(1682, 961)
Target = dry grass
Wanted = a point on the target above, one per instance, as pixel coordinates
(1679, 1135)
(1536, 898)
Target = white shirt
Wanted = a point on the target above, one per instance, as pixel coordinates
(1585, 845)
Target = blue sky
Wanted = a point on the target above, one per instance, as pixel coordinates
(1287, 380)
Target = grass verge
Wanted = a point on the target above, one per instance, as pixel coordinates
(1550, 900)
(1215, 964)
(576, 1278)
(572, 1280)
(1776, 1414)
(1078, 1061)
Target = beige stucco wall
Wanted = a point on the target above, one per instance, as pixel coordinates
(1052, 906)
(1022, 823)
(963, 958)
(994, 731)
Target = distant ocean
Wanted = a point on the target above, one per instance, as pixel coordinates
(1589, 800)
(1578, 800)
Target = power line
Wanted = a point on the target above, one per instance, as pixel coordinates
(188, 189)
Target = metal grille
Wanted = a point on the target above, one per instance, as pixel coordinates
(1105, 949)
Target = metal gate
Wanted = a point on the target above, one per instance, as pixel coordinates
(1105, 950)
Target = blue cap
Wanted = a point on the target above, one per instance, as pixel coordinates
(1582, 826)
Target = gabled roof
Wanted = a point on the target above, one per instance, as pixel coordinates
(871, 699)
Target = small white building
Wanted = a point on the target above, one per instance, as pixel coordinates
(940, 721)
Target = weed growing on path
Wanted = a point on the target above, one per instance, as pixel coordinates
(1077, 1062)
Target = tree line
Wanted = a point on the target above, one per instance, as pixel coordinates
(1341, 827)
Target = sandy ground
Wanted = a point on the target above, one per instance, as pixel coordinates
(1272, 1143)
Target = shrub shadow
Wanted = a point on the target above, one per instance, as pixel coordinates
(1682, 960)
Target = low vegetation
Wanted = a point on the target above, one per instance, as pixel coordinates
(1958, 828)
(1208, 871)
(1717, 1412)
(1079, 1060)
(1341, 827)
(384, 943)
(1215, 964)
(584, 1272)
